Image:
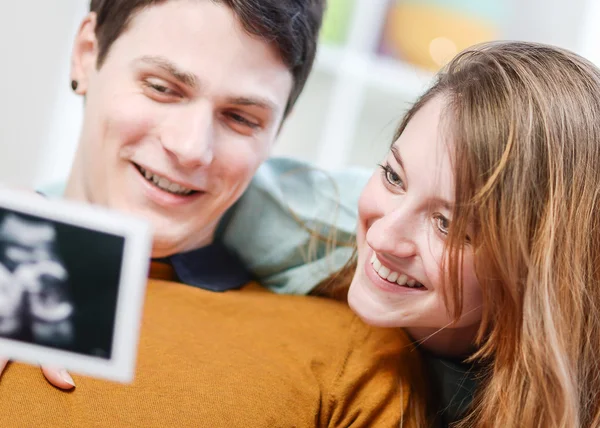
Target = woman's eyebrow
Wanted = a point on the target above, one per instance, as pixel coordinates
(396, 154)
(441, 202)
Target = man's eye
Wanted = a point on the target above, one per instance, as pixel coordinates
(391, 176)
(156, 88)
(243, 121)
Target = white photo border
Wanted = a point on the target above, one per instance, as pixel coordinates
(137, 236)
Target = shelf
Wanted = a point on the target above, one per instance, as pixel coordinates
(390, 74)
(380, 115)
(301, 133)
(374, 70)
(329, 58)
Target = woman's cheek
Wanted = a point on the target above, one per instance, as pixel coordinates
(370, 201)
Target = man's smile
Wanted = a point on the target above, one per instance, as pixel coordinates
(164, 183)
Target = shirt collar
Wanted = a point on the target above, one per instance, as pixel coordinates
(213, 268)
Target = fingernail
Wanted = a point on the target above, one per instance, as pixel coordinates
(66, 377)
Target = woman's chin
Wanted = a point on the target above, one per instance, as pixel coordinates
(368, 307)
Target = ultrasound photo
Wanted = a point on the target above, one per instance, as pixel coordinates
(53, 290)
(61, 288)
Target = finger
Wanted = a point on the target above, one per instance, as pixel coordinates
(58, 377)
(3, 363)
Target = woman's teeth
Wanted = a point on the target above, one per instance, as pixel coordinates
(391, 276)
(164, 184)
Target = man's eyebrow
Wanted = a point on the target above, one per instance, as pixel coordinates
(166, 65)
(259, 102)
(191, 80)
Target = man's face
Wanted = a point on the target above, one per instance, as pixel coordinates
(183, 111)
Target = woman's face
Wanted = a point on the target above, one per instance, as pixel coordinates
(404, 214)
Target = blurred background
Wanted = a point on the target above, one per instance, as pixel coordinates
(375, 57)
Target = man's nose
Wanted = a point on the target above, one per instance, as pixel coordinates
(189, 136)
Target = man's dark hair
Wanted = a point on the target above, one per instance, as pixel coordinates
(292, 26)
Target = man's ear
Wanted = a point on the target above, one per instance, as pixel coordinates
(85, 54)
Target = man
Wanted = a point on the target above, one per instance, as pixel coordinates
(184, 100)
(181, 101)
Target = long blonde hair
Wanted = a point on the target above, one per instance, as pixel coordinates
(525, 125)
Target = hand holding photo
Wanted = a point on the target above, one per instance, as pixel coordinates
(72, 282)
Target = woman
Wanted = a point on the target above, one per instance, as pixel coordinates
(480, 234)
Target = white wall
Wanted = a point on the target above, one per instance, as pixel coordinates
(556, 22)
(35, 46)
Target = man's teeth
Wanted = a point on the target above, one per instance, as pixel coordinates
(391, 276)
(165, 184)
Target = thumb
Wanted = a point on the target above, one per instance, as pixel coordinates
(3, 363)
(58, 377)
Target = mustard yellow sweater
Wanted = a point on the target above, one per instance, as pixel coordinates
(246, 358)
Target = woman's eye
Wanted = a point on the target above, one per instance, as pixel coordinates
(442, 223)
(391, 176)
